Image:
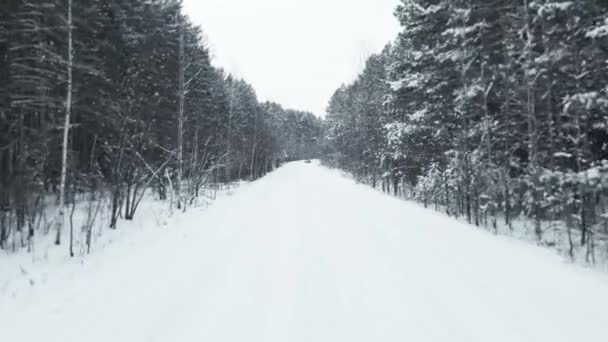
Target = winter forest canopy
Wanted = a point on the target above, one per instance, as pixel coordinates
(493, 111)
(152, 191)
(103, 102)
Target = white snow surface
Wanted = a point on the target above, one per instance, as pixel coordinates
(307, 255)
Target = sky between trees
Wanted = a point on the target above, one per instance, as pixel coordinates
(295, 52)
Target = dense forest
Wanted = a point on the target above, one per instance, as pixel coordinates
(494, 111)
(105, 102)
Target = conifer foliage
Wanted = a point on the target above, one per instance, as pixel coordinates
(494, 111)
(108, 101)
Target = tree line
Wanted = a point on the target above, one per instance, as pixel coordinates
(105, 102)
(495, 111)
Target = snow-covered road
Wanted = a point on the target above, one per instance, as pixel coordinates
(305, 255)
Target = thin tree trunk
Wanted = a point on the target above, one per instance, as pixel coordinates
(253, 149)
(72, 226)
(447, 198)
(194, 165)
(66, 131)
(229, 140)
(180, 124)
(532, 124)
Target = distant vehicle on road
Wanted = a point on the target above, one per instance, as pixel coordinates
(308, 161)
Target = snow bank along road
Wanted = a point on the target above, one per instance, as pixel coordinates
(306, 255)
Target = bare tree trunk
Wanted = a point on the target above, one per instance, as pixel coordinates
(395, 186)
(487, 89)
(253, 149)
(582, 186)
(193, 188)
(3, 229)
(180, 120)
(72, 226)
(168, 176)
(532, 124)
(91, 217)
(506, 147)
(229, 142)
(128, 201)
(447, 198)
(66, 131)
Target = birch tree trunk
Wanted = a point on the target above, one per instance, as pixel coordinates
(180, 120)
(530, 80)
(66, 131)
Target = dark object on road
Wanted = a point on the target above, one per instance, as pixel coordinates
(308, 161)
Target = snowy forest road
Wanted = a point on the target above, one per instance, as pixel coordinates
(306, 255)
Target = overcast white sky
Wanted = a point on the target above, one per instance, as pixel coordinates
(295, 52)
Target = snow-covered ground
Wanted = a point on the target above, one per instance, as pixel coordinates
(306, 255)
